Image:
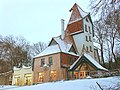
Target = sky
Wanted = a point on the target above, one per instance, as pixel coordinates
(36, 20)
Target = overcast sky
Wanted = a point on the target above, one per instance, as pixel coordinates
(36, 20)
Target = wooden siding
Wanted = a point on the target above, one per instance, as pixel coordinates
(75, 27)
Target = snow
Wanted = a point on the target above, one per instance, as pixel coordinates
(82, 13)
(61, 46)
(49, 50)
(80, 84)
(94, 62)
(75, 20)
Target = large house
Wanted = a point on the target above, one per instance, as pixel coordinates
(70, 55)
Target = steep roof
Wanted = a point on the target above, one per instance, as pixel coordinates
(90, 60)
(77, 14)
(58, 46)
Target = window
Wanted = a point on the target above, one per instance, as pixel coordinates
(70, 60)
(90, 38)
(86, 19)
(40, 77)
(86, 28)
(50, 61)
(87, 48)
(53, 75)
(86, 38)
(42, 62)
(89, 29)
(90, 48)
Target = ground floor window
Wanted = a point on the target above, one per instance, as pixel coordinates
(28, 79)
(76, 75)
(17, 82)
(53, 75)
(40, 77)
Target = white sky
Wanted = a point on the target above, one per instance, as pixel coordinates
(36, 20)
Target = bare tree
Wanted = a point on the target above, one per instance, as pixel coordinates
(100, 31)
(13, 51)
(109, 13)
(37, 48)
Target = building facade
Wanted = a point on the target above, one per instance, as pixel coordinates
(22, 76)
(70, 55)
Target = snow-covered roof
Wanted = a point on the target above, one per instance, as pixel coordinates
(61, 46)
(15, 68)
(82, 13)
(49, 50)
(65, 47)
(92, 60)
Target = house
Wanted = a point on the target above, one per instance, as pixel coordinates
(70, 54)
(22, 76)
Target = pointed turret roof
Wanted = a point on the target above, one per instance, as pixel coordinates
(82, 13)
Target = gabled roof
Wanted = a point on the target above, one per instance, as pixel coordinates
(55, 46)
(82, 13)
(87, 58)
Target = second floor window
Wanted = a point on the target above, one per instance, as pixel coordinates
(42, 62)
(50, 61)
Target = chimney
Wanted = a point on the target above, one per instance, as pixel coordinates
(62, 29)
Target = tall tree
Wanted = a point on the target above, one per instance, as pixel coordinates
(14, 50)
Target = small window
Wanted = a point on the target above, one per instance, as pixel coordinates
(86, 28)
(42, 62)
(71, 60)
(90, 38)
(87, 48)
(90, 48)
(50, 61)
(89, 29)
(86, 38)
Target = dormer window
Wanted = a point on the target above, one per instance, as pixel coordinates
(86, 28)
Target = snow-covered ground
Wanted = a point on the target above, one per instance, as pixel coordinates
(80, 84)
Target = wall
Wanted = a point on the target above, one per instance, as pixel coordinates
(55, 66)
(22, 74)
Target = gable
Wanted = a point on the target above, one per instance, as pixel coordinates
(52, 42)
(89, 60)
(72, 49)
(75, 14)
